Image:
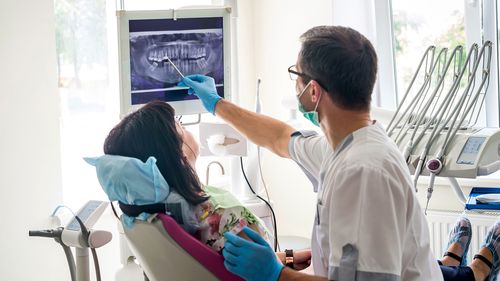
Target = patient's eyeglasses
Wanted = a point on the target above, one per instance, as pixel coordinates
(178, 120)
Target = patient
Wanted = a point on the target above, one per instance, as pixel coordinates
(486, 262)
(152, 131)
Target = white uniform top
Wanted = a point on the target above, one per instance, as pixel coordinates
(365, 199)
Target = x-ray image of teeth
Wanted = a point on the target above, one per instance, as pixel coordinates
(199, 52)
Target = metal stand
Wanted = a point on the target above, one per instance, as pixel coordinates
(76, 235)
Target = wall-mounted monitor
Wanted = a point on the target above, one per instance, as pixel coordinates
(197, 41)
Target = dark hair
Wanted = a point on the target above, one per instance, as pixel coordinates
(152, 131)
(342, 61)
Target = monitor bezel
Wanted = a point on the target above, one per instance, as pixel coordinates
(181, 107)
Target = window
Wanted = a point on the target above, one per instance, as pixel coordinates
(87, 55)
(443, 23)
(417, 26)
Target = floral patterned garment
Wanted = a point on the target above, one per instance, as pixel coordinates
(223, 213)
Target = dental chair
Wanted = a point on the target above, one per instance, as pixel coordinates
(166, 251)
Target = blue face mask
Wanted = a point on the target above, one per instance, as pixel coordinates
(312, 116)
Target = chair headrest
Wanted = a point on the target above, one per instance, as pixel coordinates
(131, 181)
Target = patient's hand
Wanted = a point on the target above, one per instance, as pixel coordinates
(252, 226)
(301, 259)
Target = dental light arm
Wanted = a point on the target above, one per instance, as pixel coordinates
(412, 142)
(419, 115)
(429, 52)
(411, 116)
(485, 81)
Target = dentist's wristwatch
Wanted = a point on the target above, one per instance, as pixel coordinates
(289, 258)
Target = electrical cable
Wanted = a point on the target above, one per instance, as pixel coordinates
(54, 213)
(84, 230)
(96, 264)
(264, 200)
(265, 188)
(71, 261)
(114, 210)
(261, 176)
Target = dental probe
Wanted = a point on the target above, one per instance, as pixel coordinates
(175, 67)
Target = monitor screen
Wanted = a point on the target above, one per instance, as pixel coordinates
(159, 47)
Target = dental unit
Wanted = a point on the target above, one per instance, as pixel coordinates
(437, 133)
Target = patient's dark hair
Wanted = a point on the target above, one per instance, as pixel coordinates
(152, 131)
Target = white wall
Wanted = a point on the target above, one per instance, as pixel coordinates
(30, 178)
(278, 25)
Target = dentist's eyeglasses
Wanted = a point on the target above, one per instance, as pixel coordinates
(294, 74)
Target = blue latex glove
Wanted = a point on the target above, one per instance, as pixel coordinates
(252, 261)
(204, 88)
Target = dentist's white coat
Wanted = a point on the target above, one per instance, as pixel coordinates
(366, 199)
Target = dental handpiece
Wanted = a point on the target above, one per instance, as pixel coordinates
(430, 190)
(175, 67)
(434, 166)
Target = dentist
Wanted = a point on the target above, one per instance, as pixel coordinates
(369, 224)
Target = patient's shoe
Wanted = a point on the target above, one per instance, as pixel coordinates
(462, 234)
(492, 242)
